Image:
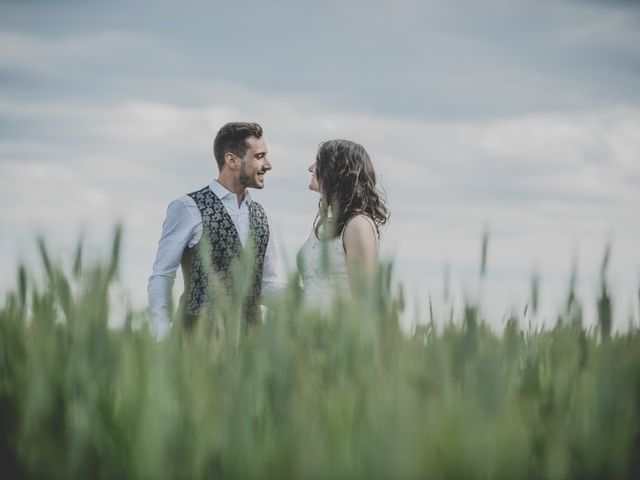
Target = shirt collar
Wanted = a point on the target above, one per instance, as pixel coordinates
(221, 191)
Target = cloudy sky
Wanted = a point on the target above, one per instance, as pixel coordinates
(518, 117)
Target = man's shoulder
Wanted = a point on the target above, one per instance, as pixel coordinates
(183, 205)
(200, 192)
(184, 200)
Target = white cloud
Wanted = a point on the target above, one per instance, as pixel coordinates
(525, 176)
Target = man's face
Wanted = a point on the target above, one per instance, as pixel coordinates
(254, 164)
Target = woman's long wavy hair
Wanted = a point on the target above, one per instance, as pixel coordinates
(347, 188)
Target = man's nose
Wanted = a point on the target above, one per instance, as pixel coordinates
(267, 164)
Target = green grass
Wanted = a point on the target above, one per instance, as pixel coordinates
(306, 394)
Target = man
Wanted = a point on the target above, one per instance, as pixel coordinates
(224, 216)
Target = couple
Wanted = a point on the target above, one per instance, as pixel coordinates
(345, 232)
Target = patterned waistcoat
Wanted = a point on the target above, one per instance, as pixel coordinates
(221, 248)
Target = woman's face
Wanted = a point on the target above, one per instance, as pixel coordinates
(313, 185)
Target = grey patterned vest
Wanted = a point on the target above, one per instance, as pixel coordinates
(222, 247)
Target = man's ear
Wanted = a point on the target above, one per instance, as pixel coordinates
(230, 160)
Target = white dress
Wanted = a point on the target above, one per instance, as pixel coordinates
(322, 265)
(323, 270)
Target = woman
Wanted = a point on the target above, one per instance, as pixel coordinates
(341, 252)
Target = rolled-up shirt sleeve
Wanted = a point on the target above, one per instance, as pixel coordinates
(179, 230)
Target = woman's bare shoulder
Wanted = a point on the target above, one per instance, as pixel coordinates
(360, 222)
(358, 230)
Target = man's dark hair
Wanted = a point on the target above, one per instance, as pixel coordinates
(232, 137)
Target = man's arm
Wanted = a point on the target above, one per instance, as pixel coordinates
(179, 230)
(272, 283)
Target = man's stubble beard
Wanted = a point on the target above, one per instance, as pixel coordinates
(247, 181)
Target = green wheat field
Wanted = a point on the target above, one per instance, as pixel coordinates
(307, 394)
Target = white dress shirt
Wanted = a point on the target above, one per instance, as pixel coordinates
(182, 228)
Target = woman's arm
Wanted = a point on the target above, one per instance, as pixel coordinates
(360, 243)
